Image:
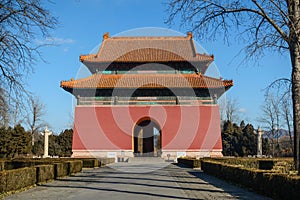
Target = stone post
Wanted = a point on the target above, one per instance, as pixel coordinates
(46, 134)
(259, 142)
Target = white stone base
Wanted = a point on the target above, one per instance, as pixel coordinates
(125, 154)
(118, 155)
(174, 154)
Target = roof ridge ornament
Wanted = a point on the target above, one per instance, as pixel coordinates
(189, 34)
(105, 35)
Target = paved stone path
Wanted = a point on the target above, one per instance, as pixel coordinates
(137, 181)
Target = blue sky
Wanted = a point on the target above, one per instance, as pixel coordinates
(81, 26)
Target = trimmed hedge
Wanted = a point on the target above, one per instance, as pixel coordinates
(30, 162)
(286, 164)
(95, 162)
(90, 163)
(266, 182)
(61, 169)
(192, 163)
(2, 182)
(13, 180)
(265, 164)
(2, 165)
(44, 173)
(75, 166)
(40, 171)
(105, 161)
(16, 164)
(35, 171)
(246, 162)
(282, 186)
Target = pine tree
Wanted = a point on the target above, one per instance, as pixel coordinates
(65, 142)
(240, 140)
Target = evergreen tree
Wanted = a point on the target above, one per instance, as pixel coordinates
(54, 147)
(240, 140)
(227, 138)
(249, 141)
(14, 142)
(5, 138)
(242, 124)
(38, 147)
(21, 140)
(65, 142)
(59, 145)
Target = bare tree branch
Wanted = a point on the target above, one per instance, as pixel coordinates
(34, 118)
(263, 25)
(21, 23)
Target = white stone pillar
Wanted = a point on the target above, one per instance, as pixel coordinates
(259, 142)
(46, 134)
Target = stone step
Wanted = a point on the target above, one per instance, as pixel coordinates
(145, 160)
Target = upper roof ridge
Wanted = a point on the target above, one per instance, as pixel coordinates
(147, 49)
(189, 36)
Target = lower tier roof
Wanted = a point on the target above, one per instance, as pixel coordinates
(149, 81)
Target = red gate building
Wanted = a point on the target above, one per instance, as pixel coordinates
(147, 96)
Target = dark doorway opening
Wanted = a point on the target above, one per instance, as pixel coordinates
(147, 139)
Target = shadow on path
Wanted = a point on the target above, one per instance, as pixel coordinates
(168, 182)
(232, 189)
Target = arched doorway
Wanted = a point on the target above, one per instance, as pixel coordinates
(147, 138)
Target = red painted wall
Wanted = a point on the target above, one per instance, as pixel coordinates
(185, 127)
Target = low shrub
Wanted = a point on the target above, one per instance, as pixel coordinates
(270, 183)
(90, 162)
(2, 165)
(105, 161)
(280, 186)
(2, 182)
(265, 164)
(61, 169)
(44, 173)
(39, 171)
(286, 163)
(190, 162)
(16, 179)
(75, 166)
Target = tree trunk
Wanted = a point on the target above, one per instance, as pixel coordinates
(296, 108)
(294, 47)
(287, 119)
(295, 57)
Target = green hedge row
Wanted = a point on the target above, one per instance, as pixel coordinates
(23, 173)
(266, 182)
(96, 162)
(16, 179)
(189, 162)
(20, 163)
(2, 165)
(258, 163)
(91, 163)
(105, 161)
(44, 173)
(61, 169)
(75, 166)
(12, 180)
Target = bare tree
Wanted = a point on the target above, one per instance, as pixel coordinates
(21, 22)
(4, 109)
(229, 109)
(282, 89)
(288, 117)
(34, 117)
(262, 24)
(271, 120)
